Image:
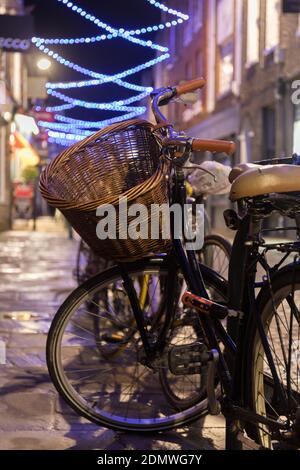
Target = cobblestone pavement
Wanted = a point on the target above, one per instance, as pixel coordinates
(35, 277)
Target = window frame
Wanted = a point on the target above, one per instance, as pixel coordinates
(251, 62)
(229, 39)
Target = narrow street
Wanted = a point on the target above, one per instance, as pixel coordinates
(35, 277)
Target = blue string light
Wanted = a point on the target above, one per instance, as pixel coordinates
(60, 107)
(58, 126)
(113, 31)
(166, 9)
(101, 78)
(61, 142)
(71, 130)
(113, 106)
(104, 37)
(66, 136)
(95, 82)
(93, 124)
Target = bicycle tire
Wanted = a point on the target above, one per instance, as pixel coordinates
(215, 254)
(259, 385)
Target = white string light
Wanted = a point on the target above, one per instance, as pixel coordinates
(115, 32)
(93, 124)
(70, 130)
(61, 142)
(66, 136)
(101, 78)
(95, 82)
(166, 9)
(60, 107)
(104, 37)
(120, 105)
(58, 126)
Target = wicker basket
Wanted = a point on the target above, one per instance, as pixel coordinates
(119, 160)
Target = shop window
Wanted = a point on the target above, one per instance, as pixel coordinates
(253, 17)
(225, 68)
(225, 44)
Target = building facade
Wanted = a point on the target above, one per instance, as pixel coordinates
(13, 98)
(270, 118)
(249, 53)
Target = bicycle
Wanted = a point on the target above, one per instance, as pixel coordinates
(256, 397)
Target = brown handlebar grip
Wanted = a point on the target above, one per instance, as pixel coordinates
(219, 146)
(192, 85)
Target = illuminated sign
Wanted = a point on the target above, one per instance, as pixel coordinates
(15, 44)
(16, 32)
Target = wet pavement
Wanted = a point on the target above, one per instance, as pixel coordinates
(35, 277)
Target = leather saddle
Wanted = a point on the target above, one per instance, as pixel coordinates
(250, 180)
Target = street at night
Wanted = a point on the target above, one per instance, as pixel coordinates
(150, 231)
(32, 415)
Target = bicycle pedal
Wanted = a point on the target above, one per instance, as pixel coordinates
(187, 359)
(203, 305)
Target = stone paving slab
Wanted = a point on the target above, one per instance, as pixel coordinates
(35, 277)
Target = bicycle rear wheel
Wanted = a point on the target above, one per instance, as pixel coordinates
(215, 254)
(118, 392)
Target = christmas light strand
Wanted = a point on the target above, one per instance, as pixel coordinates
(65, 136)
(104, 37)
(70, 130)
(61, 142)
(57, 126)
(102, 78)
(60, 107)
(166, 9)
(121, 33)
(95, 82)
(120, 105)
(93, 124)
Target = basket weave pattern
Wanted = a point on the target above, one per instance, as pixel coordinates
(119, 160)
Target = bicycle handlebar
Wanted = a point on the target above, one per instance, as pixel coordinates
(162, 97)
(220, 146)
(190, 86)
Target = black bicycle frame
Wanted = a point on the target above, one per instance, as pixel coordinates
(241, 299)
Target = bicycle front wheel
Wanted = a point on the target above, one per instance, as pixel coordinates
(117, 391)
(281, 321)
